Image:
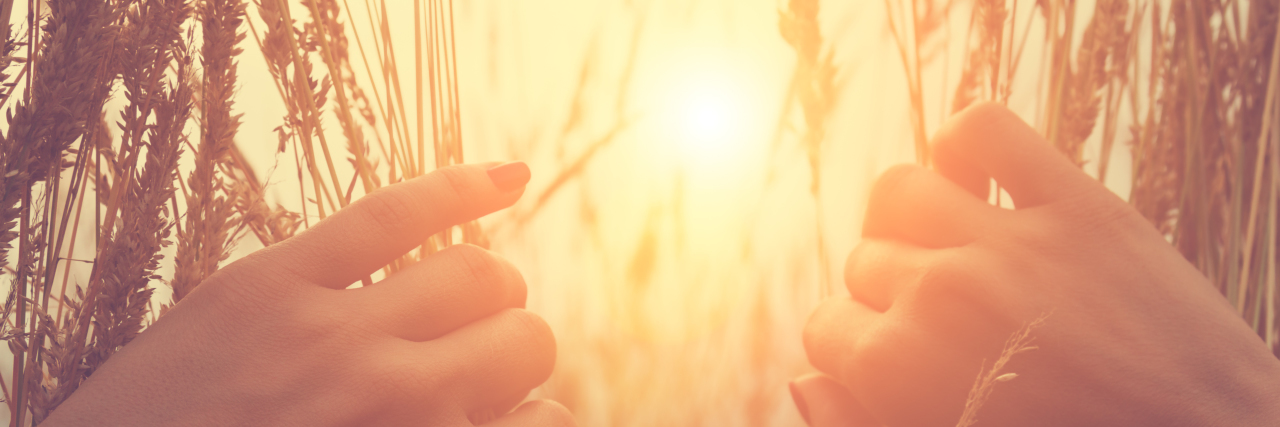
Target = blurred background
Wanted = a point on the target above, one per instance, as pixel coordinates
(669, 234)
(673, 234)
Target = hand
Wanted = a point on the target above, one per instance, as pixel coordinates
(277, 339)
(824, 402)
(1134, 336)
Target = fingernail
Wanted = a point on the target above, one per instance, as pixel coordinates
(800, 403)
(509, 176)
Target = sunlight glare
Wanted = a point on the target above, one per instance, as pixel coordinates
(713, 110)
(710, 117)
(706, 113)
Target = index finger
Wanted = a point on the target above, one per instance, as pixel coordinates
(383, 225)
(989, 141)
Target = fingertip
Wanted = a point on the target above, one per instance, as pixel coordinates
(487, 183)
(510, 176)
(539, 352)
(985, 115)
(954, 167)
(801, 405)
(537, 413)
(503, 281)
(987, 139)
(878, 271)
(506, 354)
(549, 409)
(825, 402)
(953, 145)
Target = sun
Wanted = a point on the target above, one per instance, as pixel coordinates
(710, 111)
(712, 119)
(710, 116)
(706, 111)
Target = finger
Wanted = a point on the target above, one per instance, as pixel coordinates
(833, 331)
(497, 410)
(919, 206)
(538, 413)
(387, 223)
(878, 271)
(824, 402)
(487, 362)
(988, 140)
(445, 291)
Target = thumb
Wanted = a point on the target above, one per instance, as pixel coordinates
(824, 402)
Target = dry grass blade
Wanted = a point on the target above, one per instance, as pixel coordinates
(981, 76)
(906, 26)
(815, 92)
(1079, 98)
(988, 378)
(1270, 108)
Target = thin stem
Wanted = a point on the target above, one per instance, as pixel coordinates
(1269, 109)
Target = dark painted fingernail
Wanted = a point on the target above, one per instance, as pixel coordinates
(509, 176)
(801, 405)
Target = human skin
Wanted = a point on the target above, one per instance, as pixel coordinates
(1133, 334)
(276, 338)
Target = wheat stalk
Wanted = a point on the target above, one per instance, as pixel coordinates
(206, 240)
(984, 385)
(814, 89)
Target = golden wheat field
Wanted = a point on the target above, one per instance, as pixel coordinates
(700, 167)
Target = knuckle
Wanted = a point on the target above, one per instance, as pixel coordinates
(223, 289)
(983, 114)
(456, 181)
(478, 264)
(390, 375)
(947, 279)
(896, 178)
(1100, 211)
(391, 209)
(318, 317)
(245, 289)
(494, 275)
(325, 319)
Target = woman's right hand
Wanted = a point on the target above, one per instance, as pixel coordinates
(277, 339)
(1135, 335)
